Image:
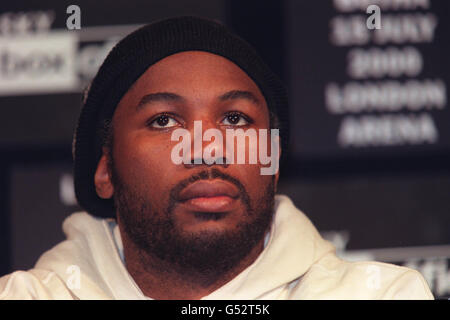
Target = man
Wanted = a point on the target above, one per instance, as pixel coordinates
(208, 227)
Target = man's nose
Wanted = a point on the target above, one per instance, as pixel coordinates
(206, 136)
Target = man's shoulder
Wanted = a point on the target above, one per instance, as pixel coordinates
(335, 278)
(55, 274)
(33, 284)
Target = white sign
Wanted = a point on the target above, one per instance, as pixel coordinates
(36, 63)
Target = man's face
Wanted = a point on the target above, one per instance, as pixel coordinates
(188, 214)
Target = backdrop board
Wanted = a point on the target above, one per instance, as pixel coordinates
(362, 92)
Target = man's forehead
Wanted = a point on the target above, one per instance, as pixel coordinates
(168, 97)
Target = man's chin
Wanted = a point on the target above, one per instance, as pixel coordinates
(210, 216)
(211, 249)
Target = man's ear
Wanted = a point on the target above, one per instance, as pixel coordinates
(102, 178)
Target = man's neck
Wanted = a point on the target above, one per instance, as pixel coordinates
(159, 280)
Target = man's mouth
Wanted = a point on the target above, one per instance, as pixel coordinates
(209, 196)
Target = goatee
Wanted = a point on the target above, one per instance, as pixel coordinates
(206, 253)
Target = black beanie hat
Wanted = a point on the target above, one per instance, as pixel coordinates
(129, 59)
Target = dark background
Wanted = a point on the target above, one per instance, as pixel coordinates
(386, 197)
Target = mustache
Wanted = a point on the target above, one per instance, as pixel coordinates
(209, 174)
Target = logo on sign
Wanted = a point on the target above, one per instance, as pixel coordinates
(38, 63)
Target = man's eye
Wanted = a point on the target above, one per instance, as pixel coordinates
(235, 119)
(163, 121)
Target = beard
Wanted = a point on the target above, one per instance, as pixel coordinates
(205, 253)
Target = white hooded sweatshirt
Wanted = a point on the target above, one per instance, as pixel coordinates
(296, 263)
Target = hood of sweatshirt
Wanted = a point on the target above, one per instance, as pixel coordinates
(93, 250)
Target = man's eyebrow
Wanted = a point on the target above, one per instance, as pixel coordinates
(240, 94)
(159, 97)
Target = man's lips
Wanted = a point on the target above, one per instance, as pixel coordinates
(209, 196)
